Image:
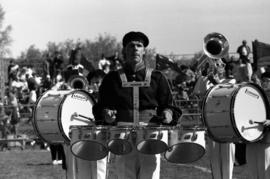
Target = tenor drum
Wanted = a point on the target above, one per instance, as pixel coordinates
(185, 146)
(80, 169)
(56, 111)
(120, 139)
(151, 139)
(89, 142)
(235, 112)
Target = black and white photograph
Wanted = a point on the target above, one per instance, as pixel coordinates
(134, 89)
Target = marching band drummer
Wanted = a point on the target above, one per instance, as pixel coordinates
(82, 168)
(258, 156)
(115, 104)
(258, 153)
(221, 154)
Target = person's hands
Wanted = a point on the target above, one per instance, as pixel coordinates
(266, 123)
(109, 115)
(168, 116)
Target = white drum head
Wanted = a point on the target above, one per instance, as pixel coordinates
(249, 110)
(76, 103)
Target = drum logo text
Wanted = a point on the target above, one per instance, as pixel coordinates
(79, 97)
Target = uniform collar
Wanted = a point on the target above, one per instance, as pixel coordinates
(132, 70)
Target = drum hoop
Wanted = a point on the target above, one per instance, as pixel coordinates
(203, 153)
(130, 127)
(152, 127)
(59, 112)
(74, 127)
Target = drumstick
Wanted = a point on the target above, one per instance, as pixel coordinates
(86, 121)
(85, 117)
(256, 122)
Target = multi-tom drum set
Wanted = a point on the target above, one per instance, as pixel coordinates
(230, 113)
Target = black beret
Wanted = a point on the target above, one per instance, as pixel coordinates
(131, 36)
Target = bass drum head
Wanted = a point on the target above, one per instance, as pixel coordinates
(77, 102)
(249, 109)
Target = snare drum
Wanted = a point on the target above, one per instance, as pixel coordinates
(152, 139)
(89, 142)
(185, 145)
(120, 140)
(56, 111)
(235, 112)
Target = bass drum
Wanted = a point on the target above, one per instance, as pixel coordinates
(56, 111)
(235, 112)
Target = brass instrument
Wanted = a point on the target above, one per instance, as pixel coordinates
(215, 47)
(78, 82)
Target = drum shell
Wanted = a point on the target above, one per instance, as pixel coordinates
(89, 142)
(78, 168)
(120, 139)
(53, 113)
(185, 145)
(225, 116)
(151, 140)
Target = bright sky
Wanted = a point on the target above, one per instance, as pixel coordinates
(177, 26)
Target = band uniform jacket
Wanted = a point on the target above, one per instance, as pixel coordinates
(113, 96)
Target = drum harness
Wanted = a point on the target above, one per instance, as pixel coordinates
(136, 85)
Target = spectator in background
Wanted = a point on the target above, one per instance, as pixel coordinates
(57, 63)
(13, 74)
(245, 64)
(47, 71)
(242, 71)
(94, 79)
(104, 64)
(74, 67)
(3, 121)
(75, 61)
(115, 61)
(32, 86)
(13, 109)
(244, 51)
(11, 65)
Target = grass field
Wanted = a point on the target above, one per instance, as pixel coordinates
(36, 164)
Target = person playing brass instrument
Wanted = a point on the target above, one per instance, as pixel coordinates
(215, 48)
(74, 72)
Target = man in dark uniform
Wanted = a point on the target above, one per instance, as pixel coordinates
(116, 104)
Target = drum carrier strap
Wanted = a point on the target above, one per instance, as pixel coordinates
(136, 85)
